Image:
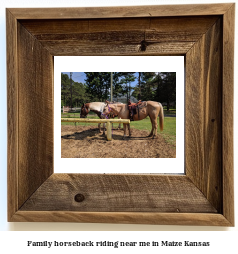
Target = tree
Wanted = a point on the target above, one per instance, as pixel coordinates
(148, 85)
(98, 85)
(77, 90)
(65, 89)
(157, 86)
(125, 82)
(79, 94)
(117, 84)
(139, 86)
(166, 87)
(145, 89)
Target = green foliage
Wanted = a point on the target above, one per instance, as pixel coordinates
(79, 94)
(98, 84)
(166, 87)
(156, 86)
(125, 81)
(65, 89)
(145, 90)
(160, 86)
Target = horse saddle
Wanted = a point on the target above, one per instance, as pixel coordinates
(134, 108)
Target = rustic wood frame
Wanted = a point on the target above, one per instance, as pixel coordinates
(202, 33)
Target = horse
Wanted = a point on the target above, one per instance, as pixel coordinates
(98, 108)
(152, 109)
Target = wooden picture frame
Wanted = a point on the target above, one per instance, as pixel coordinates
(204, 34)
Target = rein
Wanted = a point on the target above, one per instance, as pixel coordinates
(109, 109)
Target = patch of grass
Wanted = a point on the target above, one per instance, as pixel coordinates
(171, 111)
(169, 132)
(70, 115)
(77, 115)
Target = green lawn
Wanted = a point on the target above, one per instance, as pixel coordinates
(169, 132)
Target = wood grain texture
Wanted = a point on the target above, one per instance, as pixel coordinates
(75, 48)
(50, 29)
(204, 196)
(119, 36)
(204, 113)
(227, 113)
(104, 193)
(35, 133)
(121, 12)
(198, 219)
(12, 117)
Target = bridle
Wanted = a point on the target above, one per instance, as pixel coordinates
(109, 110)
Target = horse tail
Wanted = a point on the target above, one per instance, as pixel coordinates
(161, 117)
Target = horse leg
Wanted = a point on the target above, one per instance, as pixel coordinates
(103, 129)
(124, 128)
(153, 120)
(129, 129)
(151, 133)
(155, 128)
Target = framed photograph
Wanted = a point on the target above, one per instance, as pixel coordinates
(202, 195)
(75, 143)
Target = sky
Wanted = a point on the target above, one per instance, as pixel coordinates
(77, 76)
(80, 77)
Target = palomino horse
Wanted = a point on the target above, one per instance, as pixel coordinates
(147, 108)
(97, 108)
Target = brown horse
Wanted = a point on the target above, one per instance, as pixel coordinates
(152, 109)
(98, 108)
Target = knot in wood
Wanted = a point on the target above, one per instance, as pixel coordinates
(79, 198)
(143, 45)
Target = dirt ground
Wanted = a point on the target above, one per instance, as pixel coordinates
(87, 142)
